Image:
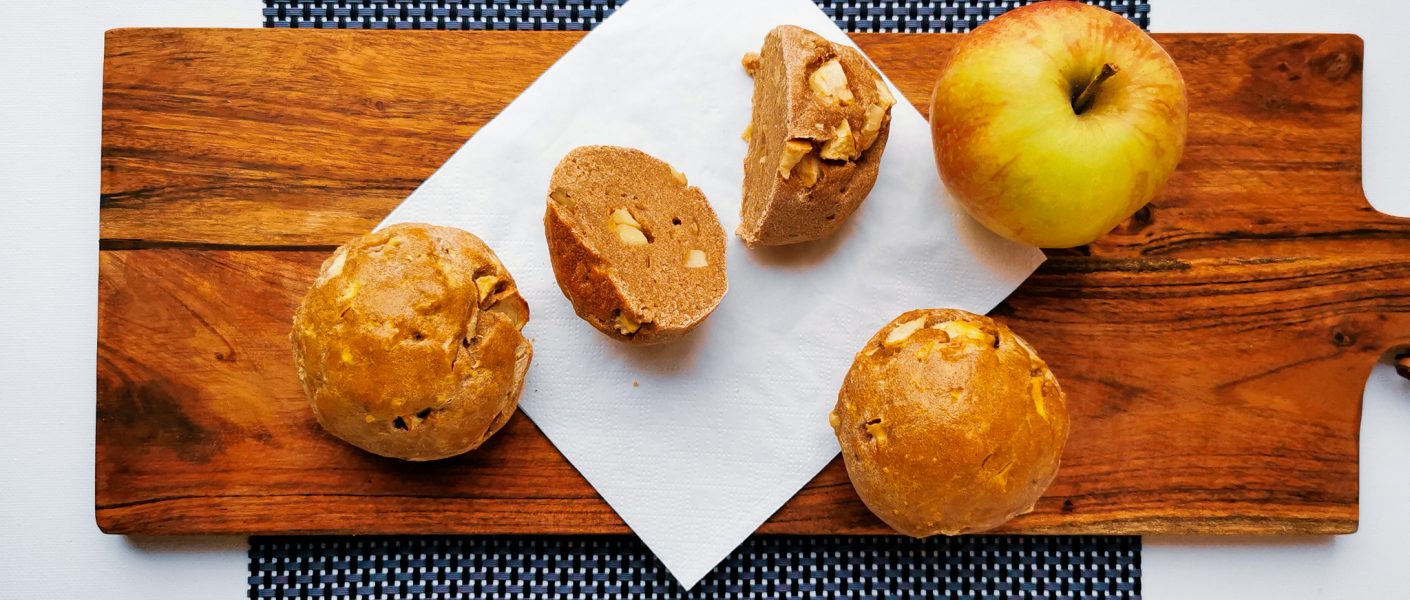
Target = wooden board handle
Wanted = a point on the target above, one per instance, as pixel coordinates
(1402, 363)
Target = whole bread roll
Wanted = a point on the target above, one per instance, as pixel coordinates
(820, 122)
(635, 247)
(949, 423)
(408, 344)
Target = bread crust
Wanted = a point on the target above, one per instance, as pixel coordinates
(648, 285)
(955, 429)
(398, 352)
(780, 210)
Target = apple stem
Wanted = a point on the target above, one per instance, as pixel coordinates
(1083, 101)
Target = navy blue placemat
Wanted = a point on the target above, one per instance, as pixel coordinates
(971, 567)
(976, 567)
(574, 15)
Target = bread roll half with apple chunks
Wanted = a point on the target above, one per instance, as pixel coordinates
(821, 118)
(635, 248)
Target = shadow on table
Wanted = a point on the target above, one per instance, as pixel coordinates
(187, 544)
(1238, 541)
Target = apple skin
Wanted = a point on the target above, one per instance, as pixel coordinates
(1011, 147)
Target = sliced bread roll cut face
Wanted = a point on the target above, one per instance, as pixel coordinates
(821, 118)
(635, 248)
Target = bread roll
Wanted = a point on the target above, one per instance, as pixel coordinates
(635, 248)
(820, 123)
(408, 344)
(949, 423)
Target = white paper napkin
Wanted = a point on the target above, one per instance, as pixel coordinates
(729, 422)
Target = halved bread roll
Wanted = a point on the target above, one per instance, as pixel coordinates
(820, 123)
(635, 248)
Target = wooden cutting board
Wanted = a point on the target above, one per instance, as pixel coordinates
(1214, 347)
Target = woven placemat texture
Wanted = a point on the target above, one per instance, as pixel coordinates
(973, 567)
(574, 15)
(979, 567)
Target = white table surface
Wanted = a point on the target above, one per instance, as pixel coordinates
(50, 90)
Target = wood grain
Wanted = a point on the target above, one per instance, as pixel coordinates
(1214, 346)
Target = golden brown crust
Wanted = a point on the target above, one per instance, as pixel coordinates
(399, 353)
(793, 102)
(659, 281)
(955, 428)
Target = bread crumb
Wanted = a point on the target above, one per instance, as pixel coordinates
(636, 383)
(750, 62)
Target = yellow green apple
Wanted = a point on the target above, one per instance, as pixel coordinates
(1056, 121)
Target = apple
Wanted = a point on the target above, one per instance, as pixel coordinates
(1056, 121)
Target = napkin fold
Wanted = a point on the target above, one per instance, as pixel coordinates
(696, 443)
